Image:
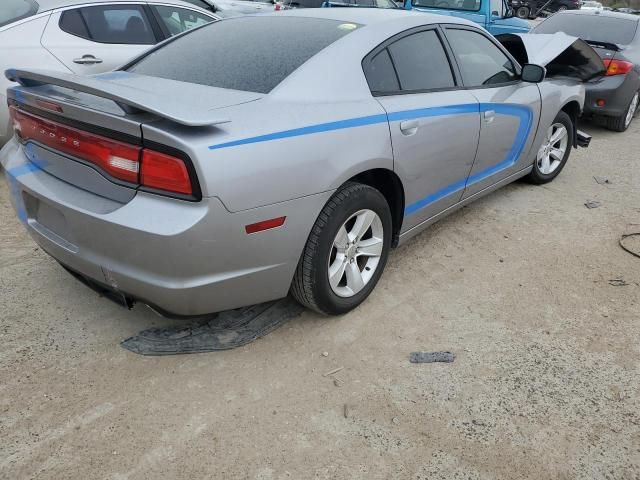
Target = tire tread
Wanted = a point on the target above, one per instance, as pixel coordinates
(302, 286)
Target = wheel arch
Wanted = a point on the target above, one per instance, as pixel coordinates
(573, 109)
(389, 184)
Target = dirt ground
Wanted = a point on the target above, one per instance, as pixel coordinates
(517, 285)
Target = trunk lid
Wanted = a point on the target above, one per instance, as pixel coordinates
(114, 106)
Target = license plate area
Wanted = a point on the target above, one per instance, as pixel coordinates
(49, 222)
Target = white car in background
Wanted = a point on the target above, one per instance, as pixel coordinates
(591, 6)
(85, 36)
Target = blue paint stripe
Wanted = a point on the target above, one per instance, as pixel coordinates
(354, 122)
(297, 132)
(434, 197)
(525, 117)
(434, 112)
(23, 169)
(523, 113)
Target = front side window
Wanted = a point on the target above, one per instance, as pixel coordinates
(178, 20)
(481, 62)
(14, 10)
(120, 24)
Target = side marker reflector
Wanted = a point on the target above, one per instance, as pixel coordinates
(265, 225)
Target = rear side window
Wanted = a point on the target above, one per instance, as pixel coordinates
(381, 75)
(14, 10)
(591, 28)
(245, 53)
(122, 24)
(481, 62)
(420, 62)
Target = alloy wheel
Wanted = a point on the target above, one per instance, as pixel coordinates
(355, 253)
(553, 149)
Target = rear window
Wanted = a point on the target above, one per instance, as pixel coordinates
(253, 54)
(14, 10)
(595, 28)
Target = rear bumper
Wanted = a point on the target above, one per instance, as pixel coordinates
(183, 258)
(615, 91)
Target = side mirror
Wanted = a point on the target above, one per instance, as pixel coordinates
(533, 73)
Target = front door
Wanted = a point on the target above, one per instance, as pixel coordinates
(434, 126)
(509, 108)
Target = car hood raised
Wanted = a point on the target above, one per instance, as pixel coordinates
(561, 54)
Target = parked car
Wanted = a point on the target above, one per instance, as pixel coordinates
(262, 174)
(85, 36)
(288, 4)
(589, 5)
(534, 8)
(614, 98)
(232, 8)
(494, 15)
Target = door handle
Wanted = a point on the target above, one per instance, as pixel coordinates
(489, 115)
(87, 60)
(409, 127)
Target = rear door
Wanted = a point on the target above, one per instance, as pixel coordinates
(509, 108)
(99, 38)
(434, 125)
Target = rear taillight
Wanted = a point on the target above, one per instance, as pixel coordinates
(130, 163)
(118, 159)
(617, 67)
(164, 172)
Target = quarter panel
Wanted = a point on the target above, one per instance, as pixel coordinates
(276, 151)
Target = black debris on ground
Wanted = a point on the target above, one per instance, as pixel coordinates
(228, 330)
(431, 357)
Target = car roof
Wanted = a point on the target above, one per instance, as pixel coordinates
(604, 13)
(46, 5)
(369, 16)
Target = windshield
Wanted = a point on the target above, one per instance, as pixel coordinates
(465, 5)
(14, 10)
(252, 53)
(594, 28)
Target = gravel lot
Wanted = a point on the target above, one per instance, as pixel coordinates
(517, 285)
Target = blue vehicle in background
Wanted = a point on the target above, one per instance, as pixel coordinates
(496, 16)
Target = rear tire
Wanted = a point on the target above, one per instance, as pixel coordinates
(342, 248)
(554, 151)
(622, 122)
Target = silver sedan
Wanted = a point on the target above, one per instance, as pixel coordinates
(280, 153)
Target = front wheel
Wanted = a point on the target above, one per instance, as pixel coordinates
(522, 12)
(346, 251)
(554, 151)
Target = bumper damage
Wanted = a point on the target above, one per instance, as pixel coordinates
(183, 259)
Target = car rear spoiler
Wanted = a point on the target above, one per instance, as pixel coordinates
(128, 98)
